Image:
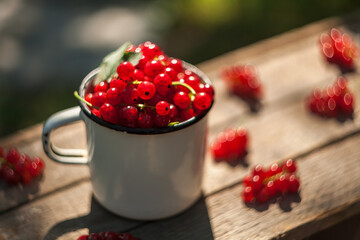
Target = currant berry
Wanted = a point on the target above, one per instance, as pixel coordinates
(88, 97)
(293, 184)
(172, 73)
(150, 50)
(101, 87)
(182, 100)
(125, 71)
(161, 121)
(146, 90)
(162, 108)
(142, 62)
(13, 156)
(117, 83)
(175, 64)
(281, 183)
(129, 116)
(207, 88)
(289, 166)
(202, 101)
(248, 195)
(98, 99)
(153, 68)
(113, 96)
(270, 189)
(187, 114)
(109, 113)
(193, 81)
(256, 183)
(273, 170)
(243, 81)
(258, 170)
(174, 113)
(145, 120)
(339, 48)
(138, 75)
(130, 95)
(162, 83)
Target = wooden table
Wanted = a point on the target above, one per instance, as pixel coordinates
(61, 206)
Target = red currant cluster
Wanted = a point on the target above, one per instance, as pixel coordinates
(154, 92)
(265, 184)
(243, 81)
(230, 144)
(339, 48)
(334, 101)
(16, 167)
(108, 236)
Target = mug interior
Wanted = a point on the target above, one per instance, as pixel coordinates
(87, 85)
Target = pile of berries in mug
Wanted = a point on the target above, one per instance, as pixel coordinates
(156, 92)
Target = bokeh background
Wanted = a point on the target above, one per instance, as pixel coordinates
(47, 47)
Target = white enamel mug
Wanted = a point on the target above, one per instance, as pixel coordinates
(143, 174)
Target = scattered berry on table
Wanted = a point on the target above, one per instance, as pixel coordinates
(339, 48)
(157, 91)
(264, 184)
(16, 167)
(110, 235)
(229, 145)
(335, 101)
(243, 81)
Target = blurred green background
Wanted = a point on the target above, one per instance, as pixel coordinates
(47, 47)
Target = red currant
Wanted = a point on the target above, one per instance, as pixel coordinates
(182, 100)
(145, 120)
(248, 194)
(162, 83)
(125, 71)
(202, 101)
(161, 121)
(146, 90)
(162, 108)
(129, 116)
(101, 87)
(113, 96)
(117, 83)
(98, 99)
(175, 64)
(293, 184)
(130, 95)
(109, 113)
(153, 68)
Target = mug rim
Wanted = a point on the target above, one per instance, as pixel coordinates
(143, 131)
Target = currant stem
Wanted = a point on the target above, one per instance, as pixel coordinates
(76, 94)
(192, 91)
(172, 123)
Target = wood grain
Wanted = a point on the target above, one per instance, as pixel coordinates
(66, 214)
(327, 196)
(56, 176)
(279, 135)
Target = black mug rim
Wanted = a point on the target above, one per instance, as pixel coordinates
(143, 131)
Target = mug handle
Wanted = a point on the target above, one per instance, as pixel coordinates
(62, 155)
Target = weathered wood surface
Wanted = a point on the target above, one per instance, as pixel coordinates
(61, 206)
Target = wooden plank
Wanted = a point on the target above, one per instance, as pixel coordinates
(66, 214)
(288, 133)
(55, 176)
(327, 197)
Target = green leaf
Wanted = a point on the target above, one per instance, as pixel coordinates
(110, 63)
(132, 57)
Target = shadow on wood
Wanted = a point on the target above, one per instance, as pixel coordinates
(195, 220)
(98, 220)
(284, 203)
